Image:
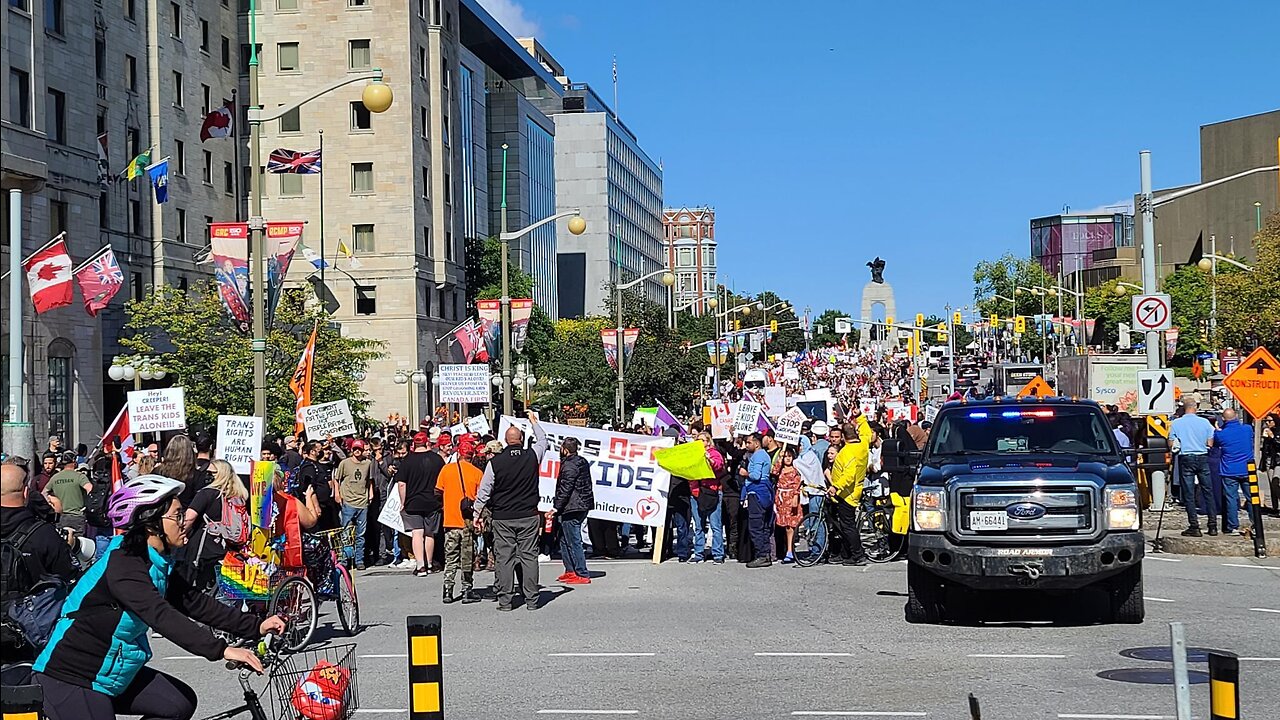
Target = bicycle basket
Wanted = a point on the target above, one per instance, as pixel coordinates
(342, 540)
(317, 684)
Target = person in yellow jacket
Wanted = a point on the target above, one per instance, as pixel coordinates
(847, 473)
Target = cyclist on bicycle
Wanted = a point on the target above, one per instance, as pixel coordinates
(94, 666)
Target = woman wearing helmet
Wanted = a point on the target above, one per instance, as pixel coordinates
(94, 666)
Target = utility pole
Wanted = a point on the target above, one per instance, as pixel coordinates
(1149, 287)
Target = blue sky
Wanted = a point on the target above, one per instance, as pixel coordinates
(827, 132)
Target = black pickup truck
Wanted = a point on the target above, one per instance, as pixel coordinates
(1017, 495)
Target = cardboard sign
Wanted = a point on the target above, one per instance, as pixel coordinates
(157, 410)
(788, 430)
(930, 413)
(775, 401)
(464, 383)
(744, 417)
(720, 421)
(328, 419)
(239, 441)
(478, 425)
(391, 513)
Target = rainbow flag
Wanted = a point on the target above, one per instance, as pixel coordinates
(261, 475)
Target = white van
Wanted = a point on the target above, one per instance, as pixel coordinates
(755, 379)
(937, 354)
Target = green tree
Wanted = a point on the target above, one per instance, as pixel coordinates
(828, 336)
(790, 337)
(1108, 308)
(484, 282)
(1249, 302)
(1189, 291)
(213, 361)
(1012, 278)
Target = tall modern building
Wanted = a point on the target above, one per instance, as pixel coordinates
(152, 82)
(691, 254)
(601, 171)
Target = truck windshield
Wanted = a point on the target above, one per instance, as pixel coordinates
(1021, 429)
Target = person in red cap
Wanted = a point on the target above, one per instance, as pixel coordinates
(416, 481)
(355, 493)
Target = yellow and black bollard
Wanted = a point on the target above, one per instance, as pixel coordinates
(426, 674)
(22, 702)
(1255, 513)
(1224, 687)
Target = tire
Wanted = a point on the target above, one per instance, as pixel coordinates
(812, 540)
(875, 534)
(348, 603)
(295, 601)
(1127, 605)
(924, 594)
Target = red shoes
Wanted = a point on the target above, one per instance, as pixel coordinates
(576, 580)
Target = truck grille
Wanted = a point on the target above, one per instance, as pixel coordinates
(1068, 511)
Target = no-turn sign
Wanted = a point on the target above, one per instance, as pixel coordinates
(1151, 312)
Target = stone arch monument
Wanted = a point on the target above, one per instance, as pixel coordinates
(876, 292)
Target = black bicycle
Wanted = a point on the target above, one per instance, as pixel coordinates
(819, 531)
(311, 683)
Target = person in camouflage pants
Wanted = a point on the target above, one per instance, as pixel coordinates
(458, 483)
(459, 553)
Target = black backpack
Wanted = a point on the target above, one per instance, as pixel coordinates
(95, 503)
(29, 605)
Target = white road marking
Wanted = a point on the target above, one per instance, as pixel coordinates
(858, 713)
(393, 656)
(588, 712)
(803, 654)
(1157, 558)
(1077, 716)
(1155, 599)
(381, 711)
(1016, 656)
(1252, 567)
(182, 657)
(1265, 610)
(601, 654)
(1275, 659)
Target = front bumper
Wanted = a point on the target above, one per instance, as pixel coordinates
(1061, 567)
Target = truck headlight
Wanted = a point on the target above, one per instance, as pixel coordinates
(929, 510)
(1122, 508)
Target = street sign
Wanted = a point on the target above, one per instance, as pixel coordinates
(1037, 387)
(843, 327)
(1256, 382)
(1158, 425)
(1155, 392)
(1151, 312)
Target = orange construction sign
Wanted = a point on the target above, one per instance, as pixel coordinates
(1256, 382)
(1037, 387)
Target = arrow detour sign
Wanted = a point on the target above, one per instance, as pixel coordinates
(1256, 382)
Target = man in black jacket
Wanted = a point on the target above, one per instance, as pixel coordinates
(574, 499)
(45, 551)
(510, 490)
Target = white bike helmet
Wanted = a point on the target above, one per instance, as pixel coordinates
(129, 504)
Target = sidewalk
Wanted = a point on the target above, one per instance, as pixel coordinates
(1235, 545)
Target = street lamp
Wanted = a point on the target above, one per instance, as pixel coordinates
(136, 369)
(1209, 264)
(411, 379)
(376, 97)
(710, 303)
(524, 381)
(667, 279)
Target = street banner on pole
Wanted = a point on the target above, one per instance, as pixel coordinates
(239, 441)
(328, 419)
(282, 240)
(629, 485)
(464, 383)
(229, 248)
(157, 410)
(490, 314)
(521, 311)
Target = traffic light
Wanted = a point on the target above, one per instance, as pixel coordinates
(995, 319)
(773, 326)
(888, 320)
(737, 324)
(1020, 324)
(919, 319)
(957, 318)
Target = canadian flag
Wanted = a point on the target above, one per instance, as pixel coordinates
(220, 122)
(49, 276)
(118, 438)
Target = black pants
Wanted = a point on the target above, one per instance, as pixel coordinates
(152, 694)
(847, 517)
(604, 538)
(730, 509)
(758, 515)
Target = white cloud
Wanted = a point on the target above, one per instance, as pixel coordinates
(511, 15)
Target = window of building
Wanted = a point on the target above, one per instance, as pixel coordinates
(287, 57)
(357, 3)
(362, 238)
(422, 111)
(104, 211)
(136, 287)
(180, 231)
(208, 220)
(444, 129)
(57, 217)
(444, 74)
(135, 217)
(182, 284)
(361, 178)
(426, 300)
(448, 190)
(426, 241)
(422, 62)
(448, 246)
(684, 257)
(226, 53)
(366, 300)
(426, 183)
(129, 11)
(60, 387)
(708, 256)
(175, 20)
(102, 120)
(131, 72)
(359, 55)
(290, 185)
(228, 179)
(99, 58)
(53, 16)
(132, 141)
(361, 118)
(286, 4)
(179, 157)
(19, 97)
(207, 172)
(177, 89)
(291, 122)
(55, 116)
(206, 97)
(246, 56)
(204, 35)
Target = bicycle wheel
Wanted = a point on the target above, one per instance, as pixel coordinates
(811, 540)
(875, 525)
(348, 604)
(295, 601)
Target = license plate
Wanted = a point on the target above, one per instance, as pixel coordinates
(988, 520)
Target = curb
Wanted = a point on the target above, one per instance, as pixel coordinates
(1211, 546)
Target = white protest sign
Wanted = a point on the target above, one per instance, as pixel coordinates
(790, 374)
(390, 515)
(464, 383)
(930, 413)
(331, 418)
(458, 430)
(744, 417)
(239, 441)
(721, 420)
(775, 401)
(788, 430)
(478, 425)
(156, 410)
(629, 486)
(868, 406)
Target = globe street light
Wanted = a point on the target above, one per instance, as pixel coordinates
(667, 279)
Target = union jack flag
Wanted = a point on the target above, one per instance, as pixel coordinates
(106, 269)
(291, 161)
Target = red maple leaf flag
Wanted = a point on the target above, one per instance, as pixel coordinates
(220, 123)
(49, 276)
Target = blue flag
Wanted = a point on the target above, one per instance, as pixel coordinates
(159, 176)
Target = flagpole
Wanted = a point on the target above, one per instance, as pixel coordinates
(235, 144)
(322, 263)
(44, 247)
(101, 251)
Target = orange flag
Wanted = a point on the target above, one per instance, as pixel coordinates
(301, 382)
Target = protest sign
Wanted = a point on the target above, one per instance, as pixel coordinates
(156, 410)
(458, 430)
(744, 417)
(326, 419)
(390, 514)
(775, 401)
(478, 425)
(868, 406)
(788, 431)
(464, 383)
(721, 420)
(930, 413)
(239, 441)
(630, 486)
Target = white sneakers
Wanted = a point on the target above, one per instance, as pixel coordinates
(405, 564)
(544, 558)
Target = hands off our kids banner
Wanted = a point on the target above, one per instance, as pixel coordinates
(629, 487)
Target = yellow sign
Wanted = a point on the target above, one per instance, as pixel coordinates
(1037, 388)
(1158, 426)
(1020, 324)
(995, 319)
(1256, 382)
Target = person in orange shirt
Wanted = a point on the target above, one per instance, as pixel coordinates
(458, 483)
